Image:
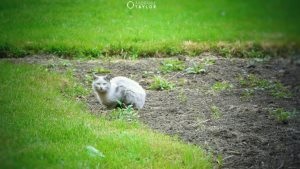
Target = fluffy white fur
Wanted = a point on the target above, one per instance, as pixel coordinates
(110, 91)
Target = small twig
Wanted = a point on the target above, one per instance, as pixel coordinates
(281, 165)
(234, 152)
(174, 75)
(228, 157)
(204, 121)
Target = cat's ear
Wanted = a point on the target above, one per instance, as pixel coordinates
(108, 77)
(95, 76)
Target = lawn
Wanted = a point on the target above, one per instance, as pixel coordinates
(93, 28)
(42, 125)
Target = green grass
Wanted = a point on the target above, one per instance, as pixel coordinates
(209, 61)
(93, 28)
(127, 113)
(171, 65)
(43, 126)
(281, 115)
(220, 161)
(216, 113)
(274, 88)
(159, 83)
(221, 86)
(196, 69)
(182, 97)
(101, 70)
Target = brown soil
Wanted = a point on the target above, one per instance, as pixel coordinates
(246, 134)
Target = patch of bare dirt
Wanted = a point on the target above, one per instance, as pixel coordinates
(246, 134)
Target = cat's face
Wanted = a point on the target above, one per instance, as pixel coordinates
(101, 84)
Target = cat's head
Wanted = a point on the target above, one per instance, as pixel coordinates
(102, 83)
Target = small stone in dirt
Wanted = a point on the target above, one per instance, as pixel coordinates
(282, 71)
(194, 81)
(232, 107)
(181, 58)
(297, 62)
(144, 82)
(173, 110)
(259, 110)
(267, 66)
(251, 66)
(217, 79)
(264, 142)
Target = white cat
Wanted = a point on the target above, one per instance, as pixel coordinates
(118, 89)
